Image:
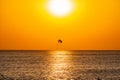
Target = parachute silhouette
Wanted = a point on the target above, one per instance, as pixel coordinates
(59, 41)
(59, 44)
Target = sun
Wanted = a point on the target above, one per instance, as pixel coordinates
(60, 8)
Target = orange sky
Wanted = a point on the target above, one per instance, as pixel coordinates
(93, 25)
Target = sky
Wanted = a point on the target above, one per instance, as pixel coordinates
(27, 25)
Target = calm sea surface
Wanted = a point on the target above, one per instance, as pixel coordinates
(59, 65)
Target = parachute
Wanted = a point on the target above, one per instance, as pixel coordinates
(59, 41)
(59, 45)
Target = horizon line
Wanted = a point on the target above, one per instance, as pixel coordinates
(61, 50)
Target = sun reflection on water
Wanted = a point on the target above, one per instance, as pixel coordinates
(60, 63)
(60, 52)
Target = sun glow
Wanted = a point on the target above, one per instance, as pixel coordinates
(60, 7)
(60, 52)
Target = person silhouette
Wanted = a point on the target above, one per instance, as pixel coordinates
(59, 45)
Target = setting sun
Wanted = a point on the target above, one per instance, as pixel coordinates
(59, 7)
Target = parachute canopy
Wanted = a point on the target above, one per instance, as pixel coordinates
(59, 41)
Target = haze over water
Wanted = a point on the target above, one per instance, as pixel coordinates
(60, 65)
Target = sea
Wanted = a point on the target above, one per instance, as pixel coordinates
(59, 65)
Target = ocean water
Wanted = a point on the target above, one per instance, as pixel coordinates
(60, 65)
